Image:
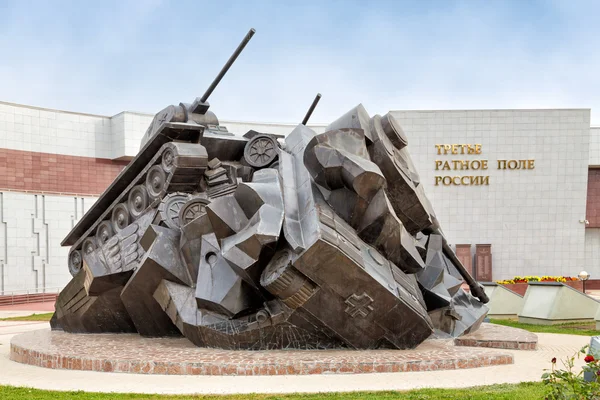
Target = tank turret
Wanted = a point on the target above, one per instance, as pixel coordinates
(159, 168)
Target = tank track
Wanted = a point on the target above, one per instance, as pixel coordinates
(176, 167)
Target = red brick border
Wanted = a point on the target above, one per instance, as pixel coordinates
(174, 356)
(56, 173)
(593, 198)
(496, 344)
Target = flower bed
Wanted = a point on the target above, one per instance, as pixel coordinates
(545, 278)
(518, 284)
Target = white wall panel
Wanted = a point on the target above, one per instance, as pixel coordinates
(594, 146)
(31, 229)
(531, 217)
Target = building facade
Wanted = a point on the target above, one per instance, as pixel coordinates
(523, 181)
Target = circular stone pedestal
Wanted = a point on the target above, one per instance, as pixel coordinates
(177, 356)
(499, 337)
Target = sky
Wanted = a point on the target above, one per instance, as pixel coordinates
(104, 57)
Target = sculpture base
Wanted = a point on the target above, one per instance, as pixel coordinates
(131, 353)
(499, 337)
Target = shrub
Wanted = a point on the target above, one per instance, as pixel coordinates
(567, 384)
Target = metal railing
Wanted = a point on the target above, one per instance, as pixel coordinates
(25, 296)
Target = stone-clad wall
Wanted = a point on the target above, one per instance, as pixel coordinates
(31, 229)
(595, 146)
(51, 131)
(530, 216)
(36, 129)
(49, 159)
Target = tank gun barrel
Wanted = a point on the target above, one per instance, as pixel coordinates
(228, 65)
(476, 289)
(311, 109)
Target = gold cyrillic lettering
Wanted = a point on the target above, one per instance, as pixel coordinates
(438, 179)
(449, 182)
(477, 149)
(484, 164)
(462, 180)
(438, 163)
(513, 163)
(501, 164)
(473, 165)
(530, 164)
(446, 166)
(485, 180)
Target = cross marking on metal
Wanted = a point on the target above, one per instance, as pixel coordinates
(162, 118)
(359, 305)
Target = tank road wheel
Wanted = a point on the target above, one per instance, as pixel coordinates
(155, 182)
(170, 207)
(89, 245)
(120, 217)
(192, 209)
(137, 201)
(75, 262)
(281, 279)
(104, 232)
(168, 160)
(261, 151)
(271, 277)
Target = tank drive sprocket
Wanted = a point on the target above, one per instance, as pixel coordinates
(191, 210)
(170, 207)
(261, 151)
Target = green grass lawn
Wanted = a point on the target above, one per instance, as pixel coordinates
(522, 391)
(577, 328)
(34, 317)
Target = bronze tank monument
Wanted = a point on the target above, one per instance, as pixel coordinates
(308, 241)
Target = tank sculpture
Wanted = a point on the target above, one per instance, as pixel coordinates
(312, 241)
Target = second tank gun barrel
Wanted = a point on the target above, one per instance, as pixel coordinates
(311, 109)
(228, 65)
(476, 289)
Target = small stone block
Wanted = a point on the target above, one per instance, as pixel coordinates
(214, 163)
(215, 173)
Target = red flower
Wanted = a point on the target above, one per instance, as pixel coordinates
(553, 360)
(589, 359)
